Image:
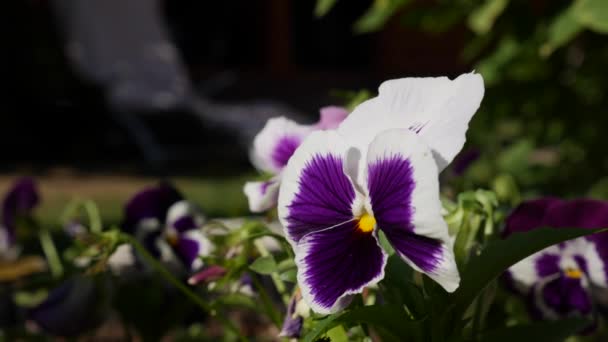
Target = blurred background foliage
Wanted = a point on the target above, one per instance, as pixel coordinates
(543, 119)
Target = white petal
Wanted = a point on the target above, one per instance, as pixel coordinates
(262, 196)
(402, 180)
(185, 208)
(438, 109)
(272, 146)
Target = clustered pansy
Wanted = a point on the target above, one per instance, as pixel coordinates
(567, 279)
(168, 225)
(378, 171)
(18, 203)
(274, 146)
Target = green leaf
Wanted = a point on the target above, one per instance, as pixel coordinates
(541, 331)
(264, 265)
(561, 30)
(289, 275)
(482, 19)
(378, 14)
(592, 14)
(323, 7)
(499, 255)
(390, 321)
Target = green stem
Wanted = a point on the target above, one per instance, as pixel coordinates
(94, 217)
(276, 278)
(266, 301)
(52, 257)
(180, 286)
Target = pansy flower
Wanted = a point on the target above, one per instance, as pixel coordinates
(377, 172)
(167, 225)
(563, 279)
(18, 202)
(273, 147)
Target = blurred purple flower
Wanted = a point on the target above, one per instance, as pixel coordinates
(274, 146)
(18, 201)
(558, 280)
(167, 225)
(74, 307)
(293, 322)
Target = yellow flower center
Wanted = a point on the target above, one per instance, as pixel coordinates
(573, 273)
(367, 223)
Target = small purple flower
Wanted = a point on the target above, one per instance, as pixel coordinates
(293, 322)
(167, 225)
(182, 231)
(558, 280)
(274, 146)
(375, 173)
(18, 202)
(74, 307)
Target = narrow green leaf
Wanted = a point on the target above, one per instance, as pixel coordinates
(542, 331)
(323, 7)
(289, 275)
(592, 14)
(390, 321)
(378, 14)
(264, 265)
(320, 327)
(482, 18)
(561, 30)
(499, 255)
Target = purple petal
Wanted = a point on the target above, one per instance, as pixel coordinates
(284, 149)
(529, 215)
(72, 308)
(547, 264)
(19, 200)
(335, 263)
(185, 223)
(323, 199)
(583, 213)
(152, 202)
(331, 117)
(292, 324)
(208, 274)
(188, 250)
(566, 295)
(391, 184)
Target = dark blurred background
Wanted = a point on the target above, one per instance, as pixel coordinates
(246, 61)
(180, 88)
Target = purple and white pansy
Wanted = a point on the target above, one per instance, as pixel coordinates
(377, 172)
(568, 278)
(18, 203)
(168, 225)
(273, 147)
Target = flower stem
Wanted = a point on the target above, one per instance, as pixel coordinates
(180, 286)
(94, 217)
(52, 257)
(276, 279)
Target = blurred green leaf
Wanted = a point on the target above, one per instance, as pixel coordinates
(561, 30)
(290, 275)
(542, 331)
(514, 159)
(378, 14)
(593, 14)
(482, 19)
(264, 265)
(323, 7)
(490, 67)
(499, 255)
(390, 321)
